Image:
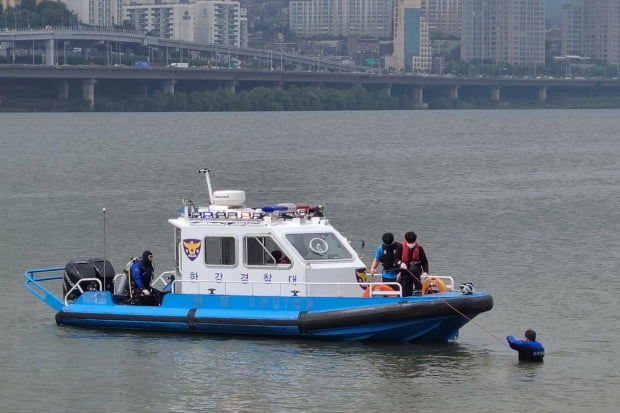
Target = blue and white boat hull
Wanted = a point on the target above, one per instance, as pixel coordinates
(434, 318)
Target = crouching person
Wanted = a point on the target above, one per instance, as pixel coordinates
(141, 277)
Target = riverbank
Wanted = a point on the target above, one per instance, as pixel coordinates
(292, 99)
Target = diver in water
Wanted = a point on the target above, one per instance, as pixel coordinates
(529, 349)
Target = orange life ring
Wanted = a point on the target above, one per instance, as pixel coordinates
(378, 287)
(433, 284)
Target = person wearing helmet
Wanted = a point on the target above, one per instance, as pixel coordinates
(529, 349)
(387, 254)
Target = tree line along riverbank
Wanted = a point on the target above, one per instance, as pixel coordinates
(291, 99)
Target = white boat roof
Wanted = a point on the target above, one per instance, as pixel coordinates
(234, 214)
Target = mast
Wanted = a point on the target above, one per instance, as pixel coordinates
(208, 178)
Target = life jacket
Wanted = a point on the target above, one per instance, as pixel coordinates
(388, 256)
(411, 257)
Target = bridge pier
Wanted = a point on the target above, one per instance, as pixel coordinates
(495, 93)
(417, 95)
(388, 89)
(231, 87)
(88, 91)
(453, 92)
(63, 90)
(144, 89)
(169, 86)
(50, 52)
(542, 93)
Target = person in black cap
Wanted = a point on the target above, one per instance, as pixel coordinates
(279, 257)
(529, 349)
(142, 273)
(387, 254)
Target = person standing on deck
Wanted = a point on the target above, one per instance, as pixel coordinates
(413, 264)
(387, 254)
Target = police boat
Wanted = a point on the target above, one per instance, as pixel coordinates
(279, 271)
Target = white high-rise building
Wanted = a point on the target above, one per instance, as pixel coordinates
(217, 22)
(205, 21)
(168, 21)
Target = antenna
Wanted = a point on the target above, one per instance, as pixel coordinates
(208, 178)
(104, 251)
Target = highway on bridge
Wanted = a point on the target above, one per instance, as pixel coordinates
(52, 42)
(82, 72)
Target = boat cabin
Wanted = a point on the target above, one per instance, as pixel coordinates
(227, 248)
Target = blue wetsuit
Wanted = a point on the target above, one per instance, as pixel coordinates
(142, 272)
(137, 275)
(528, 350)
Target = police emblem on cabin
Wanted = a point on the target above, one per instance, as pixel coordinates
(192, 248)
(360, 276)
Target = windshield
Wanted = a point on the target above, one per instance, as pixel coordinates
(319, 246)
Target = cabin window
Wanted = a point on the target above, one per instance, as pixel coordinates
(220, 251)
(319, 246)
(259, 250)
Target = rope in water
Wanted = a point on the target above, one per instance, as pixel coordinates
(456, 310)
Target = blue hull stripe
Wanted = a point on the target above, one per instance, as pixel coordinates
(305, 322)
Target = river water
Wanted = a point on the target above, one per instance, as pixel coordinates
(524, 204)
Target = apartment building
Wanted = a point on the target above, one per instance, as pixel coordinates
(503, 31)
(574, 28)
(103, 13)
(217, 22)
(168, 21)
(332, 18)
(443, 15)
(207, 21)
(592, 29)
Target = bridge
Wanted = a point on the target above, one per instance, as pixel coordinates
(64, 81)
(113, 43)
(87, 79)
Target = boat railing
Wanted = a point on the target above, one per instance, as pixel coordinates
(210, 287)
(385, 289)
(34, 281)
(282, 288)
(163, 279)
(79, 288)
(447, 280)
